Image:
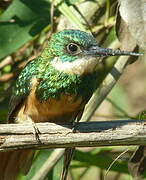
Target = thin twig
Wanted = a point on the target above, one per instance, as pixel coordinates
(6, 61)
(107, 86)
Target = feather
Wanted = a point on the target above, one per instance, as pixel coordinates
(13, 162)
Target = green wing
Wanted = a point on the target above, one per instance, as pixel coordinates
(22, 88)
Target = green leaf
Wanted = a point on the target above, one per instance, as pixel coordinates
(141, 115)
(120, 101)
(70, 13)
(23, 20)
(40, 157)
(103, 161)
(57, 170)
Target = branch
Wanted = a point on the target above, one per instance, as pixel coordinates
(105, 133)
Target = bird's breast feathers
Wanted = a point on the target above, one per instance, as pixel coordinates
(52, 110)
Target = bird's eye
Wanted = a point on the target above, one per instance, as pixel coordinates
(73, 48)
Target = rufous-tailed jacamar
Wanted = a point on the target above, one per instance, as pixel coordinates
(54, 87)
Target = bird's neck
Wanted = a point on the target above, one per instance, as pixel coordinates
(80, 66)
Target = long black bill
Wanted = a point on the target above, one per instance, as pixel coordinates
(98, 51)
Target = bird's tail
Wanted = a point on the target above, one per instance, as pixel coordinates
(67, 159)
(137, 163)
(14, 162)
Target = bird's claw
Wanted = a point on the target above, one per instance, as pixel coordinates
(36, 133)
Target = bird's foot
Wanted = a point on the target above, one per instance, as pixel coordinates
(75, 127)
(36, 133)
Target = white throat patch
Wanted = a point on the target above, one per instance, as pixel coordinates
(79, 66)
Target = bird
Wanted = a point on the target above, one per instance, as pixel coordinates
(54, 87)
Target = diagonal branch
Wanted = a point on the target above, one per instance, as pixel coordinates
(103, 133)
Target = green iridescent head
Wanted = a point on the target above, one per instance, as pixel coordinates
(71, 44)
